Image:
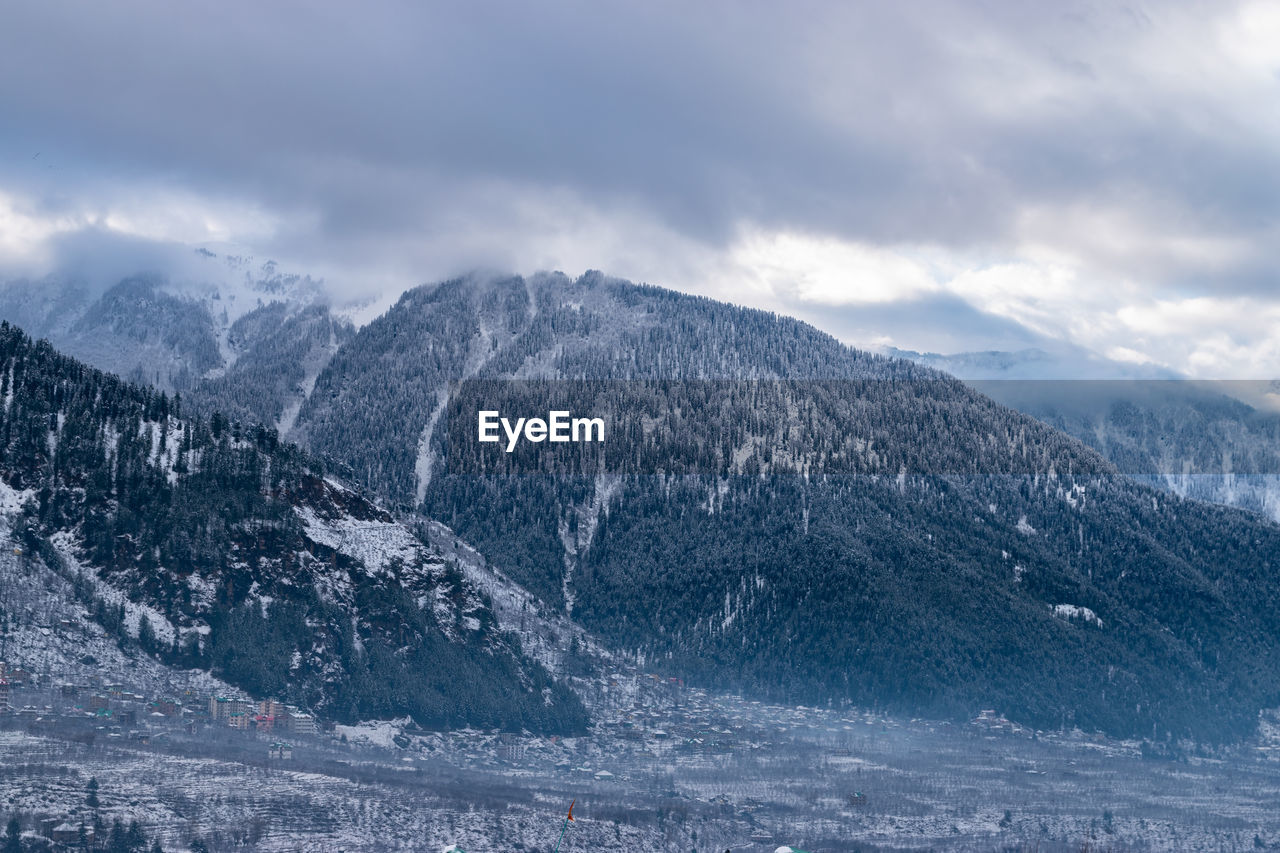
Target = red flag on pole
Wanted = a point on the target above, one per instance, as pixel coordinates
(565, 825)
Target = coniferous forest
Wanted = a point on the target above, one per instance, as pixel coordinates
(781, 514)
(212, 525)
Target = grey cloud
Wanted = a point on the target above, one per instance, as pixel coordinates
(369, 128)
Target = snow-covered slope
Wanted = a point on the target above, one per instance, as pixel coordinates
(47, 630)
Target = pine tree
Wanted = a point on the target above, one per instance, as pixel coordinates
(146, 635)
(135, 839)
(117, 842)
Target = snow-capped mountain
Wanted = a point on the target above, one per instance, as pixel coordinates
(1063, 361)
(228, 332)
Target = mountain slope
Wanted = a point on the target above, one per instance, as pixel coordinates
(884, 535)
(275, 354)
(222, 548)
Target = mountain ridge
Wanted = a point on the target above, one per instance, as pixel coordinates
(918, 506)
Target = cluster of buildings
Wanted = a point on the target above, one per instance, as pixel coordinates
(992, 721)
(115, 704)
(265, 716)
(10, 678)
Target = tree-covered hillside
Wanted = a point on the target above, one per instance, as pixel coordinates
(215, 545)
(886, 536)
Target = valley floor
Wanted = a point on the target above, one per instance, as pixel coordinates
(665, 769)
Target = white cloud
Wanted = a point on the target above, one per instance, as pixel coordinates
(184, 217)
(1247, 38)
(1130, 356)
(25, 233)
(30, 233)
(826, 270)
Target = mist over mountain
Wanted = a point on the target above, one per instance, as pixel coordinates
(231, 334)
(1054, 361)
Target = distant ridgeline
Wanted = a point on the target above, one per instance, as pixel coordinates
(254, 566)
(1194, 438)
(775, 512)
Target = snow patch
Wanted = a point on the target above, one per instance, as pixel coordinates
(374, 732)
(1074, 611)
(12, 500)
(289, 417)
(376, 544)
(161, 628)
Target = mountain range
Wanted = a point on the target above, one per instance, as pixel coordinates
(775, 513)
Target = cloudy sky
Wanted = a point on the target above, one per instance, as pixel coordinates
(980, 175)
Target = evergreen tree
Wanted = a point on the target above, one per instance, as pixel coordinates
(146, 635)
(135, 839)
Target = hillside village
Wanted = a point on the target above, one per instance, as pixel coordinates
(121, 712)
